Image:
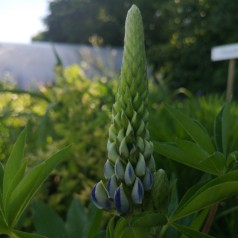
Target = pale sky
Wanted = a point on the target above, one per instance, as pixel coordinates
(21, 19)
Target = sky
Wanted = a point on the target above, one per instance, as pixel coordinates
(21, 19)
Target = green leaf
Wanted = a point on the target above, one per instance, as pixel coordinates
(110, 228)
(94, 221)
(221, 129)
(29, 185)
(192, 149)
(135, 232)
(215, 162)
(21, 234)
(16, 162)
(120, 227)
(194, 130)
(51, 227)
(198, 221)
(173, 152)
(190, 232)
(199, 197)
(149, 219)
(76, 220)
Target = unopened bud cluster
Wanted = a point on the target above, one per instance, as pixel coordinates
(128, 172)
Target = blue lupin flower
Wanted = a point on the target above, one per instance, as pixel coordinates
(112, 186)
(100, 197)
(108, 170)
(129, 174)
(120, 201)
(137, 193)
(148, 180)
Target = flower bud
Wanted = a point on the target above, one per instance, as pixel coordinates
(148, 180)
(99, 196)
(141, 128)
(148, 149)
(108, 170)
(119, 169)
(151, 164)
(160, 190)
(112, 186)
(112, 151)
(140, 144)
(120, 200)
(112, 133)
(137, 193)
(129, 174)
(123, 150)
(140, 166)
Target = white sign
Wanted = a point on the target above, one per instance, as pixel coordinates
(224, 52)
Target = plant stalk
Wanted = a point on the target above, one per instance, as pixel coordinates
(210, 218)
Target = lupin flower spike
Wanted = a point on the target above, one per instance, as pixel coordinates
(130, 166)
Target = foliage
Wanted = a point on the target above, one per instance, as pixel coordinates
(17, 187)
(78, 223)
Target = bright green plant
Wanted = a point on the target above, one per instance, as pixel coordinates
(18, 186)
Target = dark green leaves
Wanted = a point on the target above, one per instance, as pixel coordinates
(199, 197)
(194, 129)
(78, 222)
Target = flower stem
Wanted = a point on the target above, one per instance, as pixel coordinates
(210, 218)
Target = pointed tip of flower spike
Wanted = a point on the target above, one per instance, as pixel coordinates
(148, 180)
(137, 193)
(108, 169)
(140, 166)
(129, 174)
(120, 201)
(100, 197)
(112, 186)
(119, 169)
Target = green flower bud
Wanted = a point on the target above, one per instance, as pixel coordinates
(160, 190)
(119, 170)
(123, 150)
(140, 166)
(108, 169)
(112, 152)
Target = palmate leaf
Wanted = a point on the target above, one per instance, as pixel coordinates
(172, 151)
(29, 185)
(76, 220)
(192, 233)
(199, 197)
(51, 227)
(193, 129)
(15, 167)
